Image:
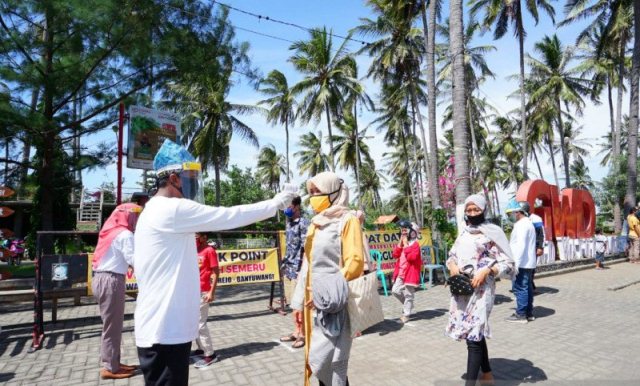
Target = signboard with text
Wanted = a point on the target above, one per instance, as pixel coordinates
(148, 129)
(384, 241)
(248, 266)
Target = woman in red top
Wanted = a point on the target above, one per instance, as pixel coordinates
(406, 276)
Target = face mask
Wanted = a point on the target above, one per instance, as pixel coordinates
(323, 201)
(320, 203)
(288, 212)
(475, 220)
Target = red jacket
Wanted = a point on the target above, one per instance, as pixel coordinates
(414, 263)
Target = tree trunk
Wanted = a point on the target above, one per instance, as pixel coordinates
(46, 169)
(420, 195)
(26, 151)
(618, 129)
(634, 105)
(476, 158)
(523, 109)
(416, 109)
(495, 195)
(563, 145)
(553, 161)
(617, 218)
(535, 156)
(286, 130)
(216, 171)
(406, 160)
(332, 164)
(460, 132)
(355, 122)
(430, 31)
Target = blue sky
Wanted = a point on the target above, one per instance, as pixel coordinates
(340, 16)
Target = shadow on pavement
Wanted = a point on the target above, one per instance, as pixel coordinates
(499, 299)
(542, 312)
(545, 290)
(384, 327)
(510, 372)
(429, 314)
(245, 349)
(5, 377)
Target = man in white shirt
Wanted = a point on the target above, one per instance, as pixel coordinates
(523, 246)
(166, 265)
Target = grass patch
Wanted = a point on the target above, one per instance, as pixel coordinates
(18, 271)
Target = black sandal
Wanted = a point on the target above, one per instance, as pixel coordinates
(288, 338)
(299, 343)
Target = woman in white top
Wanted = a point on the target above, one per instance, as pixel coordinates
(111, 260)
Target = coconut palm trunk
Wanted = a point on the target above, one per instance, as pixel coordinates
(476, 158)
(355, 120)
(535, 157)
(460, 130)
(430, 32)
(563, 145)
(634, 105)
(418, 114)
(286, 131)
(553, 161)
(332, 163)
(406, 160)
(523, 108)
(617, 215)
(618, 127)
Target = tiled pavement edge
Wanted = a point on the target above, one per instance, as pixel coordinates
(584, 335)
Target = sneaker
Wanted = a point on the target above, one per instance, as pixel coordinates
(196, 353)
(531, 318)
(206, 361)
(515, 318)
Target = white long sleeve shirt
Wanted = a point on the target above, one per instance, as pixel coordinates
(523, 243)
(119, 256)
(166, 265)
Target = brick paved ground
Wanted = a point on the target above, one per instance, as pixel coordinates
(584, 335)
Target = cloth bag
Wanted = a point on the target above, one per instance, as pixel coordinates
(364, 306)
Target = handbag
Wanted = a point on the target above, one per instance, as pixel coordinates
(460, 285)
(364, 306)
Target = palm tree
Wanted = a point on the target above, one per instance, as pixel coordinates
(397, 55)
(510, 147)
(210, 121)
(281, 104)
(576, 146)
(271, 167)
(610, 30)
(349, 144)
(580, 175)
(371, 183)
(460, 130)
(311, 158)
(553, 78)
(329, 76)
(505, 12)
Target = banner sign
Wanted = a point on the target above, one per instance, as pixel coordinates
(147, 131)
(385, 241)
(248, 266)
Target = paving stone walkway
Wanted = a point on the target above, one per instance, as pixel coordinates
(584, 334)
